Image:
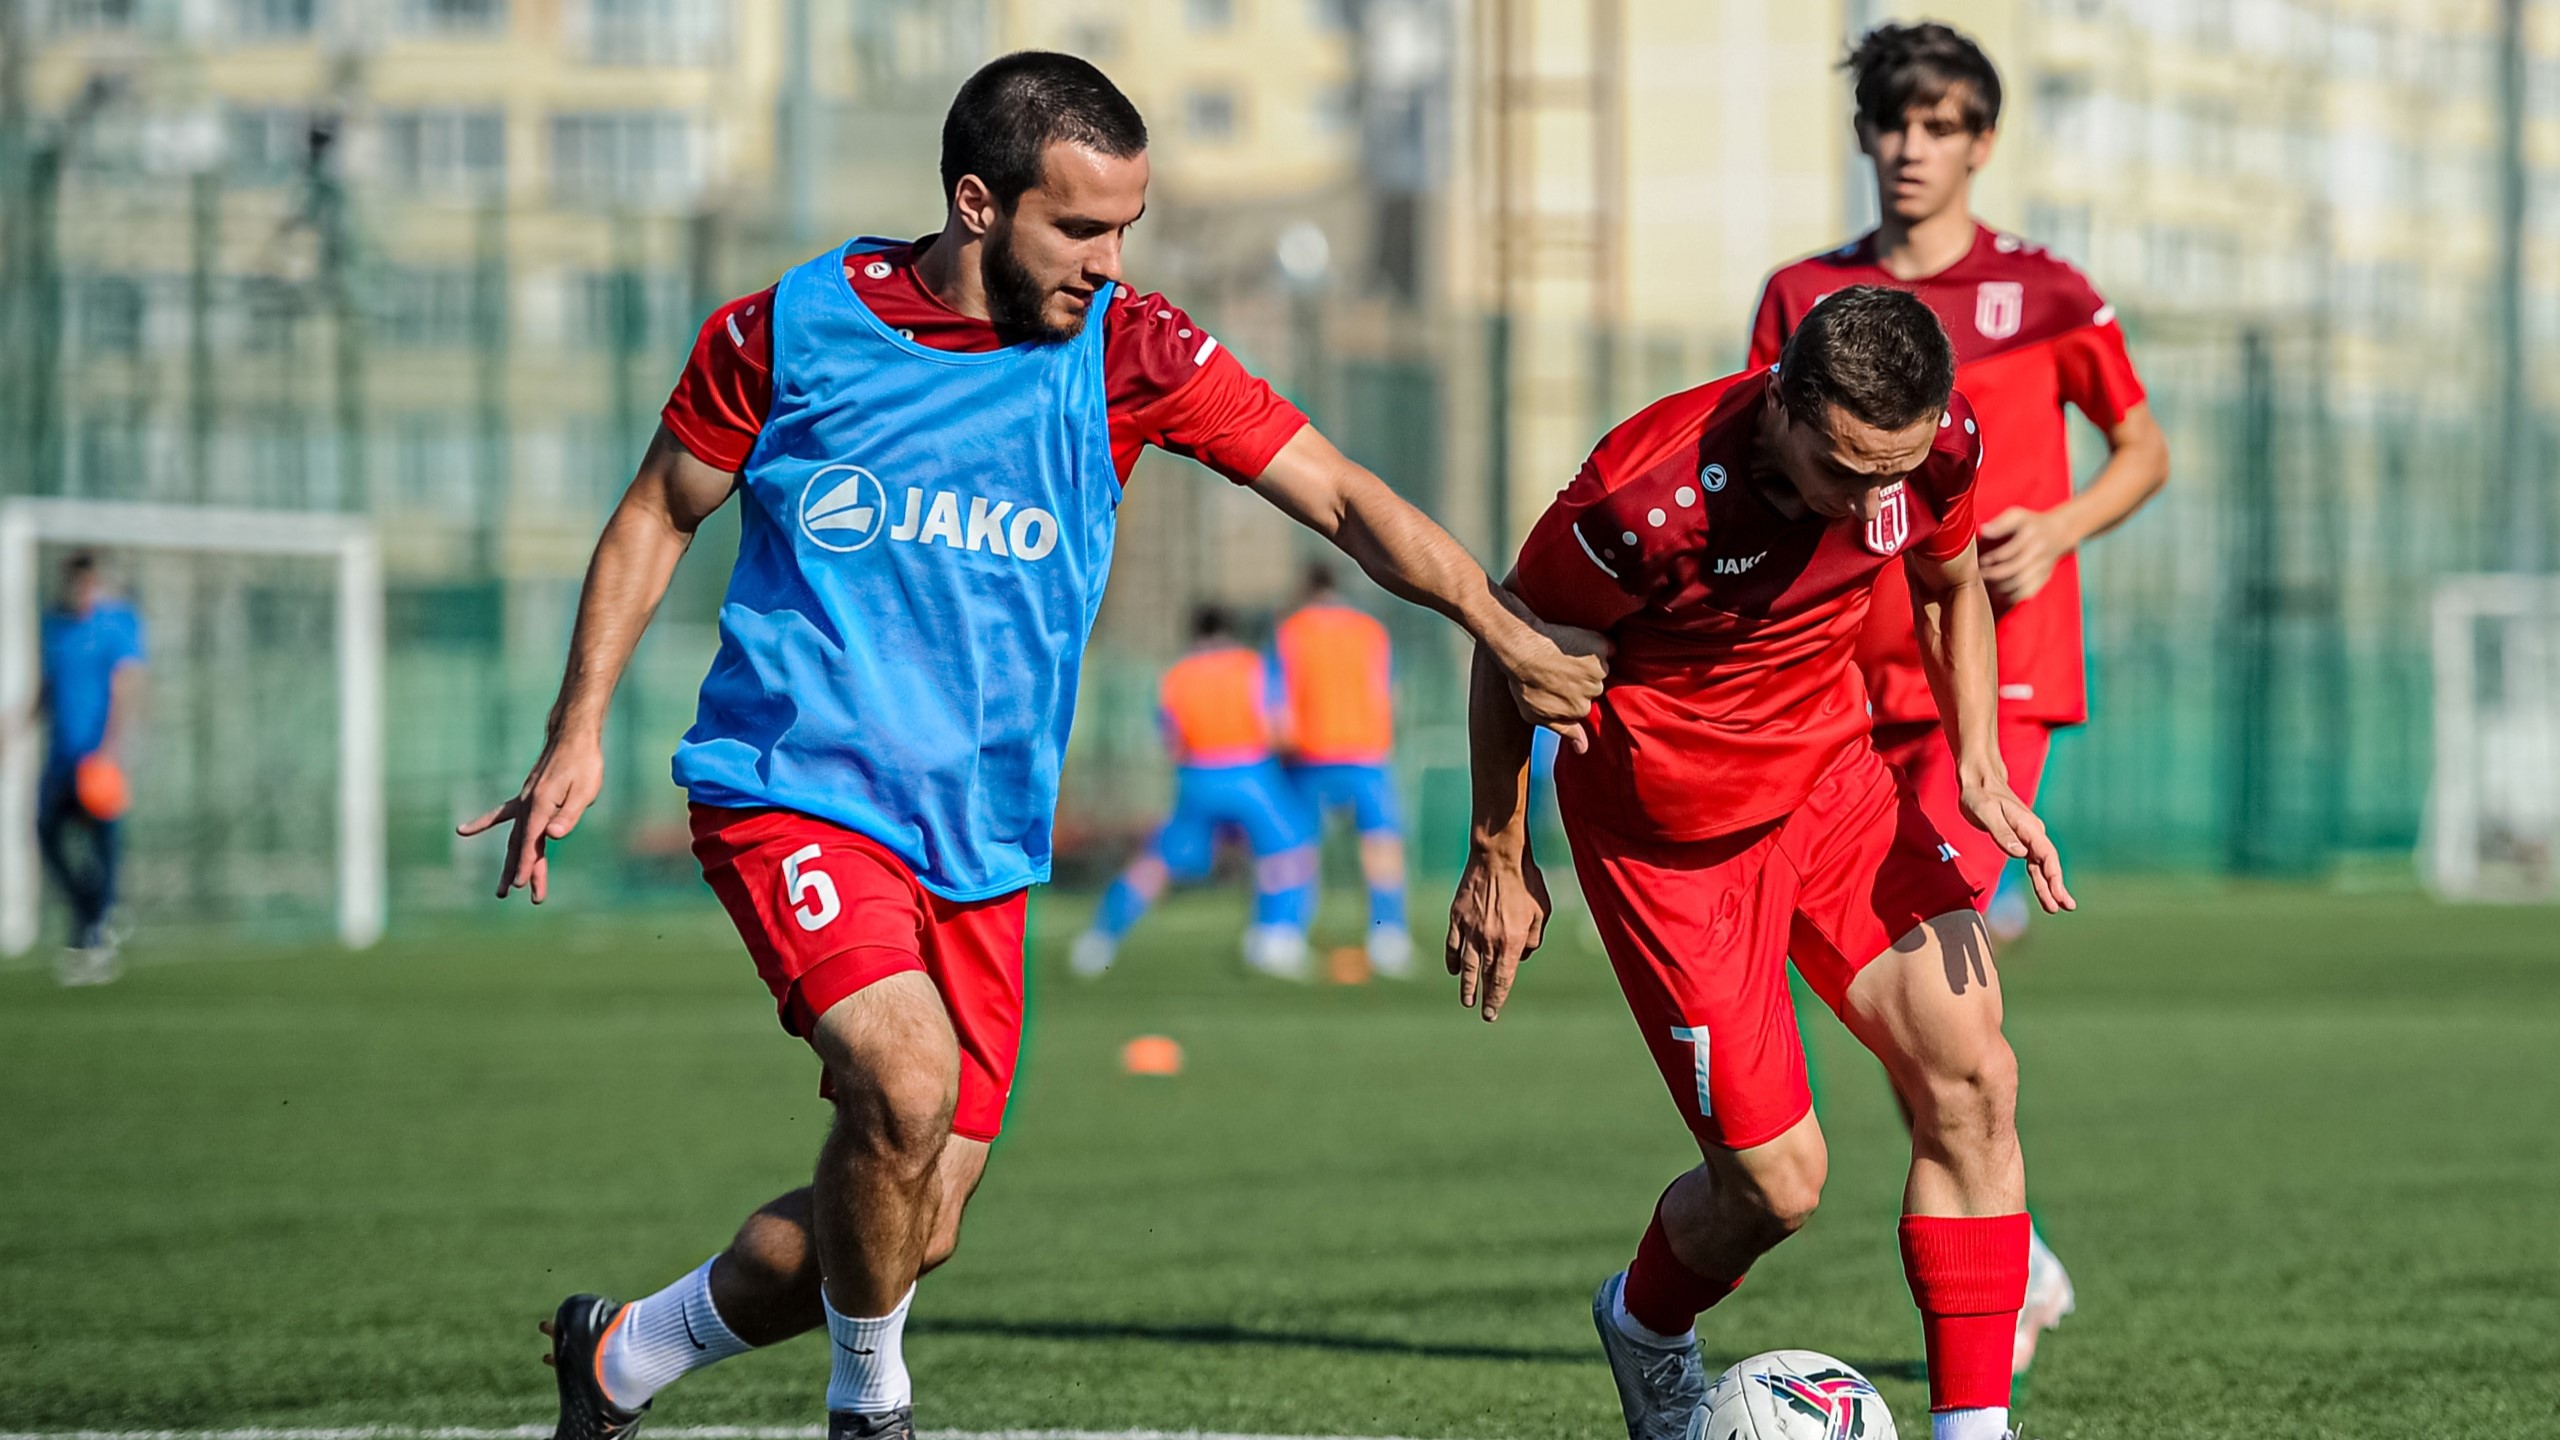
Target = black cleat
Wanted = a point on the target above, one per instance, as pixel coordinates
(577, 1337)
(898, 1424)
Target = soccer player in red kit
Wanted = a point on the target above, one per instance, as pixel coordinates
(928, 444)
(1731, 811)
(2031, 336)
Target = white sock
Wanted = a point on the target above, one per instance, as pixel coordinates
(664, 1336)
(870, 1376)
(1969, 1424)
(1636, 1330)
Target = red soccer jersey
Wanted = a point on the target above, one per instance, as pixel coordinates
(1734, 682)
(2031, 335)
(1169, 384)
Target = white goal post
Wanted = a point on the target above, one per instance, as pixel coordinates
(348, 541)
(2493, 806)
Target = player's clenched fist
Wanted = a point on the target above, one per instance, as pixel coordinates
(1557, 677)
(1497, 920)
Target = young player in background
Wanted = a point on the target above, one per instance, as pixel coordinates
(928, 441)
(89, 691)
(1339, 673)
(2031, 336)
(1732, 811)
(1222, 714)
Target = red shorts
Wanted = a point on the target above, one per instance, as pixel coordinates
(1700, 932)
(827, 912)
(1919, 751)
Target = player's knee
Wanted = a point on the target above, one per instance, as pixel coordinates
(899, 1113)
(1783, 1198)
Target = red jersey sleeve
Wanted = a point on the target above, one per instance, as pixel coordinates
(1173, 386)
(1768, 329)
(1947, 480)
(2096, 372)
(718, 406)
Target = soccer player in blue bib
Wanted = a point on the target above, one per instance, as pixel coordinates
(935, 439)
(92, 646)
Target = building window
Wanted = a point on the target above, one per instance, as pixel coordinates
(1210, 115)
(622, 310)
(422, 309)
(92, 15)
(1092, 39)
(1209, 14)
(268, 146)
(1333, 17)
(111, 309)
(274, 19)
(1337, 109)
(455, 16)
(445, 152)
(656, 32)
(628, 157)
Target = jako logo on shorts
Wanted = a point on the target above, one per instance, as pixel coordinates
(845, 508)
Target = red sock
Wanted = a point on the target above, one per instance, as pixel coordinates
(1970, 1279)
(1665, 1296)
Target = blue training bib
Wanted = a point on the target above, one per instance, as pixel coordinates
(925, 539)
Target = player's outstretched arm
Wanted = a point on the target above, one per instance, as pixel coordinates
(2021, 546)
(1499, 915)
(1951, 617)
(1555, 671)
(635, 557)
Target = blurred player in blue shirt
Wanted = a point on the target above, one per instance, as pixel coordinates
(1221, 710)
(92, 656)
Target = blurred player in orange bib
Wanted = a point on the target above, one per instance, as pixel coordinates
(1731, 812)
(2031, 336)
(1220, 709)
(1338, 671)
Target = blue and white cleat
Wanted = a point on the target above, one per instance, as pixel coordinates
(1661, 1390)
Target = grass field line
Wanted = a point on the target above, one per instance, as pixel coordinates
(658, 1432)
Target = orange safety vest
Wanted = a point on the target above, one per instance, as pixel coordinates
(1336, 665)
(1216, 710)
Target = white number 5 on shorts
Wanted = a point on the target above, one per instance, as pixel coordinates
(811, 893)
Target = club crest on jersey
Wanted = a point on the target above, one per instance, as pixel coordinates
(1835, 1399)
(1999, 308)
(1892, 525)
(1712, 477)
(845, 508)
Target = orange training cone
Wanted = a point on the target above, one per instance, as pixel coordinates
(1347, 965)
(1151, 1055)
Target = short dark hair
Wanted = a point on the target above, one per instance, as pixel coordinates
(1318, 579)
(1895, 67)
(1005, 116)
(1211, 622)
(1872, 350)
(80, 562)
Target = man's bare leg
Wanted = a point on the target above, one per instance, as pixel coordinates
(765, 1287)
(1930, 1009)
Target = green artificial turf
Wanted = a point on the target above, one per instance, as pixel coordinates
(2301, 1152)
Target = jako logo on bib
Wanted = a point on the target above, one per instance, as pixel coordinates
(845, 508)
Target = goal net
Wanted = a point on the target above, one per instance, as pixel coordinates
(2493, 808)
(256, 761)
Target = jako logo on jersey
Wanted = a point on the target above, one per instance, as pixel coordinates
(1741, 566)
(844, 508)
(1999, 308)
(1892, 524)
(1837, 1400)
(1712, 478)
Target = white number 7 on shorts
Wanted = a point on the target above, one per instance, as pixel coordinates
(811, 893)
(1696, 1040)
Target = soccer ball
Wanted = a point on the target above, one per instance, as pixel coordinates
(1792, 1395)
